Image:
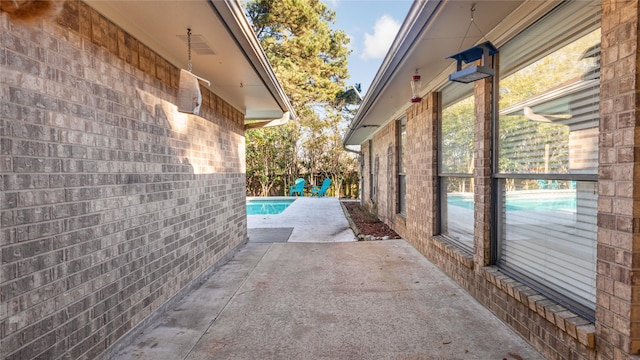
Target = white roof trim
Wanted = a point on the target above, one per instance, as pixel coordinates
(417, 27)
(233, 16)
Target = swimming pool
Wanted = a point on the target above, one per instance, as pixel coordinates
(267, 206)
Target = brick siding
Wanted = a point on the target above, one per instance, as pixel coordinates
(111, 202)
(554, 330)
(422, 171)
(386, 175)
(617, 312)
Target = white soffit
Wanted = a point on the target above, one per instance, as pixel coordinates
(162, 26)
(441, 35)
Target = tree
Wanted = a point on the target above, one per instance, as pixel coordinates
(271, 159)
(337, 163)
(310, 60)
(341, 164)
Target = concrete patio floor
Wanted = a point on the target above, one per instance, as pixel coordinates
(320, 299)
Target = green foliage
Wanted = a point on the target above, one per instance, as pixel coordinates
(457, 137)
(310, 60)
(528, 147)
(457, 144)
(335, 162)
(271, 158)
(348, 97)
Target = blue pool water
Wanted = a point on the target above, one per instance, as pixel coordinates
(523, 203)
(267, 206)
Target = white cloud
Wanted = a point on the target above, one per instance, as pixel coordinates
(332, 3)
(350, 45)
(377, 45)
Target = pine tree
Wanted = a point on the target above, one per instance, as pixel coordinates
(309, 58)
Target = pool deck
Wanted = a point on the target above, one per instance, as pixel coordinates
(312, 219)
(323, 295)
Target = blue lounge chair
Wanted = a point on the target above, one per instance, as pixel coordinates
(321, 190)
(297, 188)
(544, 184)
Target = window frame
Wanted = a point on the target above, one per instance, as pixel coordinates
(372, 186)
(497, 177)
(401, 126)
(458, 93)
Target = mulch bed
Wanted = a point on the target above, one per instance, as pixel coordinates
(367, 223)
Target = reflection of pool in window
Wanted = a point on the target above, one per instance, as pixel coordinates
(458, 220)
(550, 235)
(526, 200)
(548, 203)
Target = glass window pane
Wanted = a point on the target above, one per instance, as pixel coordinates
(456, 158)
(457, 138)
(548, 231)
(549, 124)
(457, 209)
(550, 112)
(402, 186)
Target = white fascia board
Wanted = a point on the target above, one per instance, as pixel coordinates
(417, 18)
(232, 14)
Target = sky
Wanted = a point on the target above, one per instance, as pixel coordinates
(371, 25)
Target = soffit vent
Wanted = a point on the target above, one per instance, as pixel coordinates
(198, 44)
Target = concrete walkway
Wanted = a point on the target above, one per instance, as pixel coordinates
(327, 300)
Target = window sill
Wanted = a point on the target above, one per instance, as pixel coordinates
(572, 324)
(447, 246)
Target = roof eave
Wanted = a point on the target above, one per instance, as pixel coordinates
(417, 18)
(238, 25)
(421, 45)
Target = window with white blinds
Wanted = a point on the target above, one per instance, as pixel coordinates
(547, 145)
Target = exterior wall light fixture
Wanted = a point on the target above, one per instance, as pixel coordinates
(475, 72)
(189, 95)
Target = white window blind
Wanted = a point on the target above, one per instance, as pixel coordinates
(548, 126)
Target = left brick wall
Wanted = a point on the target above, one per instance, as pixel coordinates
(111, 203)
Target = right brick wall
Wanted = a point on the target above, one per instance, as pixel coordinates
(554, 330)
(618, 293)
